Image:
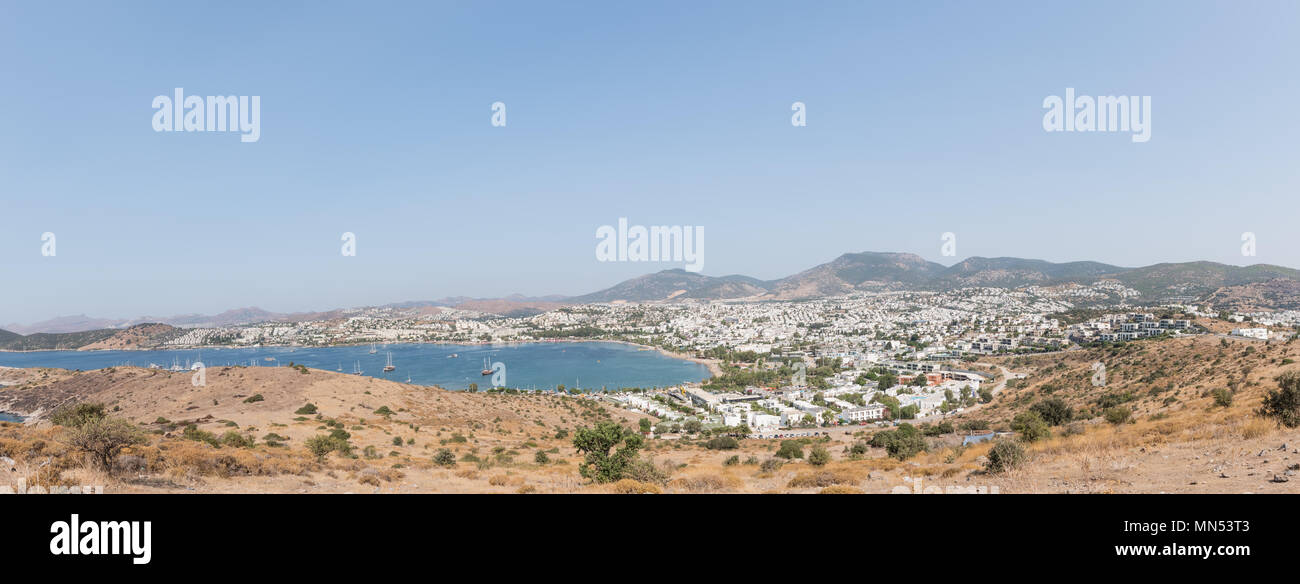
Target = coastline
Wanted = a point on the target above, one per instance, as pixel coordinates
(713, 365)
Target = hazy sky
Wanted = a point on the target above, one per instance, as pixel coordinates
(922, 118)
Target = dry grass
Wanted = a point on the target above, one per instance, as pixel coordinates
(705, 482)
(631, 487)
(826, 478)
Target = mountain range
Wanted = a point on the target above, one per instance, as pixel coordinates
(1255, 286)
(866, 271)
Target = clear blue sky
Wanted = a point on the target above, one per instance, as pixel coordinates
(923, 117)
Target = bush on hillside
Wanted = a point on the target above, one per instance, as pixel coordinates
(1004, 456)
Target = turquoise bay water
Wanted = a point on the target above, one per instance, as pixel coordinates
(8, 417)
(592, 365)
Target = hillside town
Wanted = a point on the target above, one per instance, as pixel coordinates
(855, 359)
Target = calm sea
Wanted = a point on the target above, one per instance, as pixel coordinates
(592, 365)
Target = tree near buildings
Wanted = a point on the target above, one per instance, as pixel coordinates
(600, 464)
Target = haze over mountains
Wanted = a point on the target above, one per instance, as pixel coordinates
(239, 316)
(868, 271)
(1261, 284)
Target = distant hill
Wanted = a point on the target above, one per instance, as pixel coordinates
(7, 336)
(513, 305)
(1278, 294)
(1199, 278)
(143, 336)
(65, 324)
(676, 284)
(510, 308)
(83, 323)
(858, 271)
(1014, 272)
(867, 271)
(1256, 286)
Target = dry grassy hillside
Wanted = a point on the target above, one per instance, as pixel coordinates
(1169, 377)
(1176, 438)
(264, 404)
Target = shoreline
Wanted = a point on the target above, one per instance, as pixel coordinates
(712, 365)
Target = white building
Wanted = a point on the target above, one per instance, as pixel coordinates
(869, 412)
(1251, 333)
(759, 421)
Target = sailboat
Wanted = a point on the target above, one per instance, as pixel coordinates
(373, 350)
(356, 369)
(486, 369)
(390, 366)
(340, 366)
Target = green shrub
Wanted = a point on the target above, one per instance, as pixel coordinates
(252, 399)
(1222, 397)
(646, 471)
(819, 456)
(1004, 456)
(1283, 404)
(192, 432)
(322, 445)
(722, 443)
(902, 443)
(596, 444)
(444, 457)
(306, 410)
(1117, 415)
(102, 438)
(74, 416)
(236, 440)
(790, 449)
(1053, 411)
(1031, 426)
